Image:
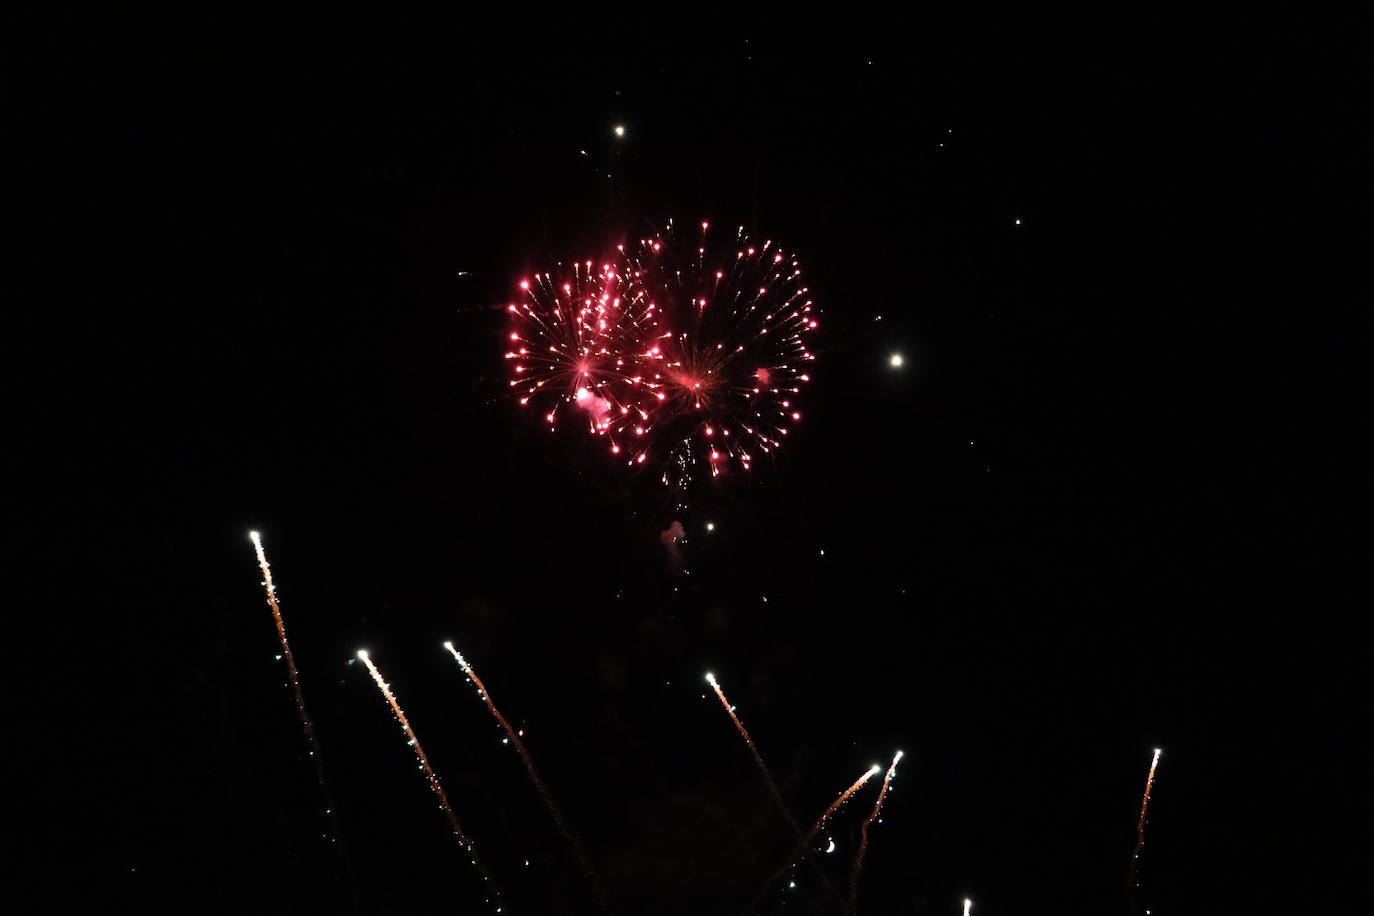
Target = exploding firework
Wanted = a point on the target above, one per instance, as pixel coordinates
(513, 736)
(1144, 807)
(863, 832)
(293, 679)
(432, 778)
(686, 351)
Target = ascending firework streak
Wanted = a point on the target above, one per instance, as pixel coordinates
(744, 733)
(839, 802)
(514, 738)
(763, 768)
(294, 680)
(863, 832)
(817, 827)
(1144, 805)
(463, 839)
(968, 906)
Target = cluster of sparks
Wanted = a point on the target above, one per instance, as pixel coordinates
(671, 349)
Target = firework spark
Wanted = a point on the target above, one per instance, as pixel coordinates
(673, 348)
(513, 737)
(768, 777)
(839, 802)
(1144, 807)
(863, 832)
(293, 679)
(968, 907)
(817, 827)
(433, 779)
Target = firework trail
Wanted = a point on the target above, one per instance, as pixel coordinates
(968, 907)
(817, 827)
(293, 678)
(463, 839)
(753, 749)
(674, 347)
(768, 777)
(514, 737)
(863, 832)
(839, 802)
(1144, 806)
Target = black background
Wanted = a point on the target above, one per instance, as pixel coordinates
(1101, 507)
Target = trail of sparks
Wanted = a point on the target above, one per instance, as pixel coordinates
(863, 832)
(463, 839)
(763, 768)
(816, 828)
(839, 802)
(753, 749)
(513, 737)
(1144, 806)
(293, 678)
(968, 907)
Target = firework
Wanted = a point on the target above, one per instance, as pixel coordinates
(293, 679)
(432, 778)
(863, 832)
(768, 777)
(753, 749)
(513, 737)
(839, 802)
(968, 907)
(1144, 806)
(691, 352)
(816, 828)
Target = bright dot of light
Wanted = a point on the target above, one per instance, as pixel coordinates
(620, 130)
(710, 526)
(895, 360)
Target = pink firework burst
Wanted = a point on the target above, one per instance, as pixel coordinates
(691, 353)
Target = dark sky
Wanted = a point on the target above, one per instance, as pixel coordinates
(1099, 509)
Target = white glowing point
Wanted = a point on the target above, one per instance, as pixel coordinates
(620, 130)
(710, 526)
(895, 360)
(711, 679)
(831, 847)
(362, 653)
(1018, 222)
(253, 536)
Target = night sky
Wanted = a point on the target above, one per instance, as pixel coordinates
(1099, 508)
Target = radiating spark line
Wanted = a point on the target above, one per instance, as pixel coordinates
(1144, 806)
(863, 832)
(312, 743)
(816, 828)
(768, 777)
(968, 907)
(514, 737)
(435, 786)
(839, 802)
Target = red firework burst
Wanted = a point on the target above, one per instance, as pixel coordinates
(671, 349)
